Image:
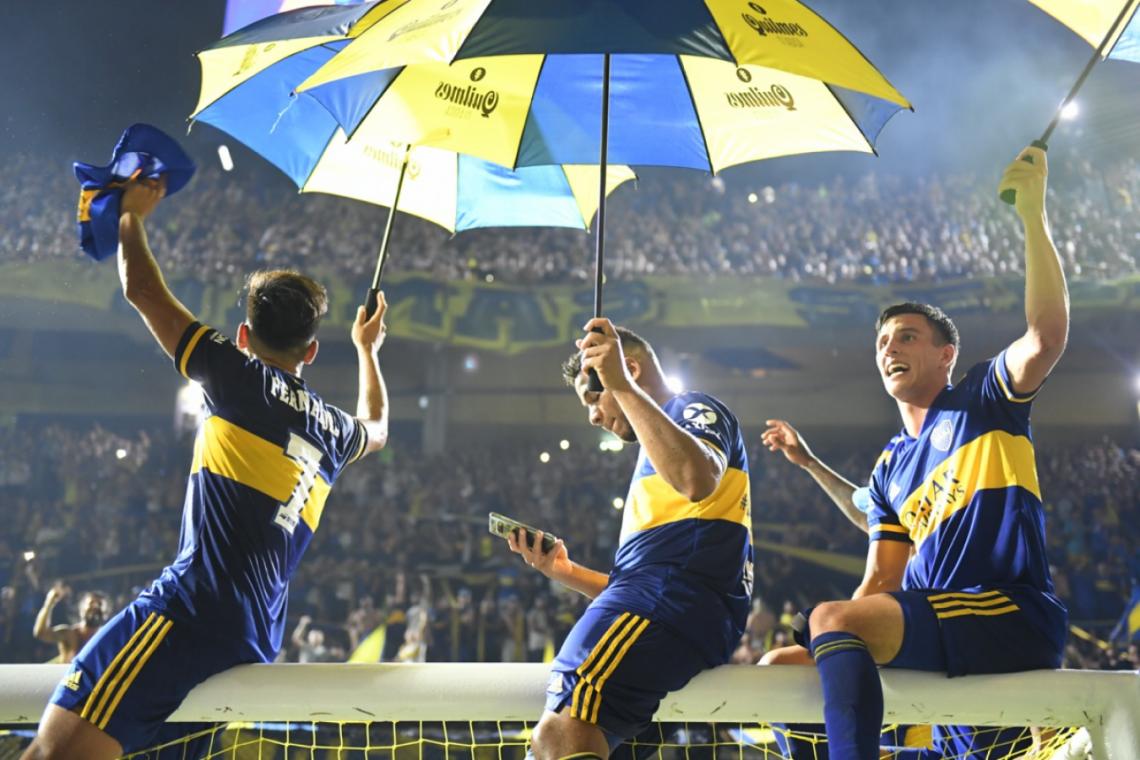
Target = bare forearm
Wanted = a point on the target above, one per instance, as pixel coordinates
(372, 398)
(1046, 293)
(42, 628)
(839, 490)
(682, 461)
(585, 581)
(145, 289)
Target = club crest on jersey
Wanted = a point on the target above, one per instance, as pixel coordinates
(943, 435)
(701, 415)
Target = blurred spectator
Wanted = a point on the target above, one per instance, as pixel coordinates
(94, 610)
(410, 510)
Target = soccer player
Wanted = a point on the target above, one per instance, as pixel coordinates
(94, 609)
(263, 464)
(678, 596)
(958, 486)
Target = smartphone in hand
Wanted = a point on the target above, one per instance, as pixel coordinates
(503, 526)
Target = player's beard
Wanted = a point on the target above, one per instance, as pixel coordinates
(94, 619)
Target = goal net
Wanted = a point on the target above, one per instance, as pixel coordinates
(486, 712)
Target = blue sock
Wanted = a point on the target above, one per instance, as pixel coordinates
(852, 695)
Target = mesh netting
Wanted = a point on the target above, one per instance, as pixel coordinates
(346, 740)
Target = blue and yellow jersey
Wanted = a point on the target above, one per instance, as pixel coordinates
(264, 460)
(678, 559)
(965, 494)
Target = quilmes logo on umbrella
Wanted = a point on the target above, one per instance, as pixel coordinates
(776, 96)
(392, 156)
(470, 96)
(763, 25)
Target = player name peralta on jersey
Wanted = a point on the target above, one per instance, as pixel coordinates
(965, 491)
(264, 461)
(682, 559)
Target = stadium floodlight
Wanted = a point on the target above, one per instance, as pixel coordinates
(120, 453)
(544, 457)
(753, 197)
(1070, 111)
(618, 502)
(564, 444)
(674, 383)
(423, 402)
(225, 157)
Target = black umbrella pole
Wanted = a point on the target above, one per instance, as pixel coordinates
(595, 382)
(1010, 196)
(370, 302)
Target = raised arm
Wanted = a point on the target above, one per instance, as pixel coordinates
(143, 285)
(780, 436)
(1031, 357)
(372, 395)
(692, 467)
(42, 629)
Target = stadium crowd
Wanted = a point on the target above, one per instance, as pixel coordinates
(403, 546)
(876, 229)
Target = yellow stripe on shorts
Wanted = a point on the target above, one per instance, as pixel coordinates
(585, 705)
(96, 695)
(146, 655)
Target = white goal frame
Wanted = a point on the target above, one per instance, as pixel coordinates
(1106, 703)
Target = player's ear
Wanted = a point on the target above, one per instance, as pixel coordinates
(243, 336)
(634, 367)
(311, 352)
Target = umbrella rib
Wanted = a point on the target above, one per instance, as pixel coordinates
(696, 113)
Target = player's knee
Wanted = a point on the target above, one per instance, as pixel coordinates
(831, 616)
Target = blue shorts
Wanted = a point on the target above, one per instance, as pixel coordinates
(987, 631)
(615, 667)
(136, 670)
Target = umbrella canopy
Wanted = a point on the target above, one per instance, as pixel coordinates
(688, 88)
(1094, 21)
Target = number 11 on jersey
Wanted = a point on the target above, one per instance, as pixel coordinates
(308, 457)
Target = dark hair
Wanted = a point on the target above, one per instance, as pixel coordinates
(572, 367)
(284, 309)
(937, 318)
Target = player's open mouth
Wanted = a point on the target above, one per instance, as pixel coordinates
(896, 368)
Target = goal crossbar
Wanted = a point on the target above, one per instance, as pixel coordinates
(1106, 702)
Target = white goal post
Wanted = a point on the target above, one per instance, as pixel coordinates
(1107, 703)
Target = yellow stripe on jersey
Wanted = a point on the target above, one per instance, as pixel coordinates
(144, 656)
(653, 502)
(98, 696)
(996, 459)
(1008, 393)
(233, 452)
(190, 349)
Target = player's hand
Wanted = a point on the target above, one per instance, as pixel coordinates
(368, 334)
(141, 196)
(1028, 180)
(553, 564)
(780, 436)
(601, 352)
(305, 621)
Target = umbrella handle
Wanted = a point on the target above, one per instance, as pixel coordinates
(1010, 196)
(593, 382)
(370, 302)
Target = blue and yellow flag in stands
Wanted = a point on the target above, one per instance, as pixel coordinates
(1128, 629)
(142, 151)
(370, 649)
(1092, 20)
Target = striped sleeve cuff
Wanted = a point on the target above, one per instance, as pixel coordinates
(889, 532)
(186, 345)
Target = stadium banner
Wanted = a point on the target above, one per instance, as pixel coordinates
(514, 318)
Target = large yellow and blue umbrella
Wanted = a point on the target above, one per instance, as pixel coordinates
(1112, 27)
(699, 84)
(247, 92)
